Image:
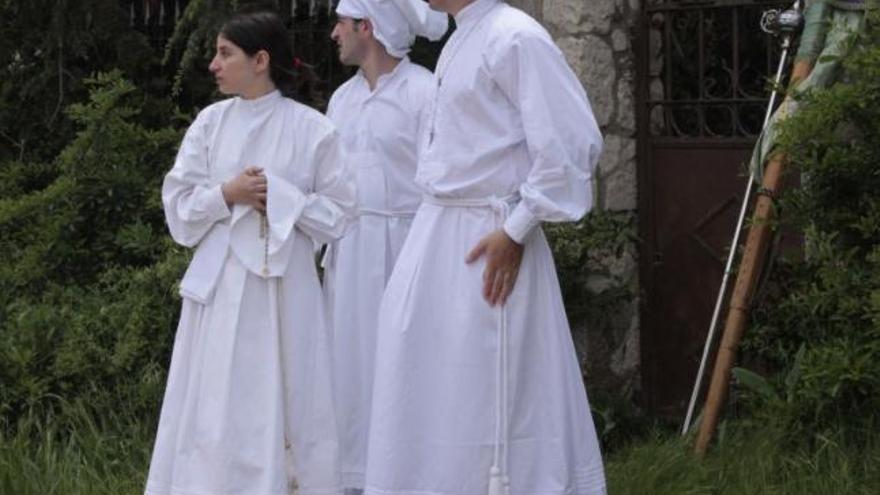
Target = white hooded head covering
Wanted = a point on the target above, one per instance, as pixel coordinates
(396, 23)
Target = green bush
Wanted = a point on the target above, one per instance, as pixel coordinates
(103, 208)
(585, 254)
(88, 304)
(105, 345)
(827, 301)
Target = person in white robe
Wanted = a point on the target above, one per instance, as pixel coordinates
(477, 385)
(258, 179)
(377, 112)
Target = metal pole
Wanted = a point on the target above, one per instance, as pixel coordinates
(728, 269)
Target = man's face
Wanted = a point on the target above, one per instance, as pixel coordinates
(234, 70)
(350, 36)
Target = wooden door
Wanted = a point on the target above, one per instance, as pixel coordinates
(703, 72)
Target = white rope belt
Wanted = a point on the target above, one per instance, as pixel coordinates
(329, 257)
(499, 481)
(374, 212)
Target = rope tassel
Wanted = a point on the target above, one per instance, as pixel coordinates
(499, 482)
(496, 483)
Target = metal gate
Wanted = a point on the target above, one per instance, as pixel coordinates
(704, 68)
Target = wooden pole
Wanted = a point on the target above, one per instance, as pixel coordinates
(754, 253)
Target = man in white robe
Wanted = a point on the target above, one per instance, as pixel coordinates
(477, 387)
(377, 113)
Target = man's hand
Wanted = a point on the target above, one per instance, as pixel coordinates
(503, 256)
(249, 188)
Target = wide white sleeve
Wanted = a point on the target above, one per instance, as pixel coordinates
(561, 132)
(192, 203)
(323, 212)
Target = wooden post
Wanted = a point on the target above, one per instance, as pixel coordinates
(754, 253)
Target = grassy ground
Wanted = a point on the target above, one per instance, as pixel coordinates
(749, 461)
(48, 459)
(87, 461)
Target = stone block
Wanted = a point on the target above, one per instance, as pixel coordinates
(532, 7)
(626, 108)
(616, 174)
(593, 62)
(620, 40)
(580, 16)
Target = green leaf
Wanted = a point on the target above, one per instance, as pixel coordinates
(755, 383)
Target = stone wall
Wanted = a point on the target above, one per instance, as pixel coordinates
(533, 7)
(596, 37)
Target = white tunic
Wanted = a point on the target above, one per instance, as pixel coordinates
(460, 386)
(248, 406)
(379, 130)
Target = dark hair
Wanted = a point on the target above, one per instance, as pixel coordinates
(257, 31)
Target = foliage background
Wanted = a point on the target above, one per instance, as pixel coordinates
(817, 330)
(90, 122)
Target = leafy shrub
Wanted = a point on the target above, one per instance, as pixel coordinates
(102, 210)
(88, 304)
(827, 303)
(587, 256)
(105, 345)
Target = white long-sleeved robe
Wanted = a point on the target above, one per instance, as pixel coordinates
(510, 125)
(248, 407)
(379, 132)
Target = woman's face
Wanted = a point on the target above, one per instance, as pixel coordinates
(235, 71)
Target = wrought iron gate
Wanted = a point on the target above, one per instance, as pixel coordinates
(703, 68)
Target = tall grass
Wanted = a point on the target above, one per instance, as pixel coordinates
(749, 460)
(110, 457)
(76, 455)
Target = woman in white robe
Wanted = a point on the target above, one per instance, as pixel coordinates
(258, 180)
